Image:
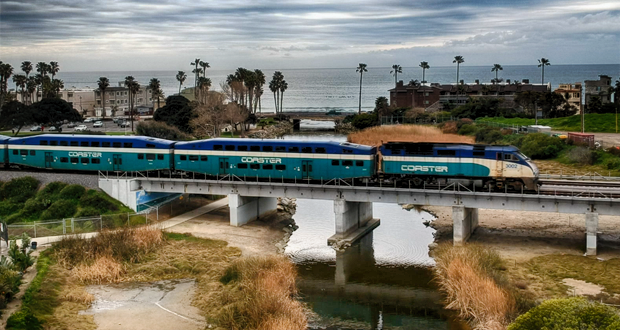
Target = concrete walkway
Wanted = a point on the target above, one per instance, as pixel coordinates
(163, 225)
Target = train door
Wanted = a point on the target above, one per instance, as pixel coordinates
(306, 169)
(224, 165)
(499, 164)
(48, 159)
(117, 161)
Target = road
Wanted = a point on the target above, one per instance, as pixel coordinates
(108, 126)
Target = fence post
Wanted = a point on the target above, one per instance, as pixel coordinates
(127, 219)
(101, 222)
(64, 226)
(72, 226)
(35, 229)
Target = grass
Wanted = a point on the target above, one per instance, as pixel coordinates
(595, 123)
(375, 136)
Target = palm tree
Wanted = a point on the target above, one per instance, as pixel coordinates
(196, 73)
(31, 87)
(20, 82)
(42, 68)
(134, 87)
(204, 66)
(541, 64)
(458, 60)
(414, 83)
(396, 69)
(260, 82)
(283, 87)
(496, 68)
(27, 67)
(273, 86)
(6, 71)
(103, 83)
(181, 76)
(53, 68)
(424, 66)
(203, 89)
(155, 87)
(55, 87)
(361, 69)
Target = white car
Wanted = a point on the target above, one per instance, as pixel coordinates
(81, 128)
(98, 124)
(88, 120)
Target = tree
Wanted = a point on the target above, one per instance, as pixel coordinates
(27, 67)
(196, 73)
(103, 84)
(496, 68)
(413, 83)
(250, 85)
(541, 64)
(361, 69)
(208, 118)
(31, 87)
(283, 87)
(53, 69)
(16, 115)
(54, 111)
(258, 89)
(424, 66)
(155, 87)
(458, 60)
(203, 89)
(527, 100)
(382, 107)
(181, 76)
(396, 69)
(177, 112)
(205, 66)
(477, 107)
(275, 85)
(6, 71)
(134, 87)
(20, 82)
(550, 103)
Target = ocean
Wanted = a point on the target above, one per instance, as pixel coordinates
(321, 90)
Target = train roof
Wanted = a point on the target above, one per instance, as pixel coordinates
(4, 139)
(331, 146)
(452, 146)
(35, 140)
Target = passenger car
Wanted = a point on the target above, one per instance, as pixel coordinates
(81, 128)
(35, 128)
(89, 120)
(98, 124)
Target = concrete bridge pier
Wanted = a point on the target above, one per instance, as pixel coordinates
(591, 232)
(353, 221)
(244, 209)
(355, 259)
(465, 221)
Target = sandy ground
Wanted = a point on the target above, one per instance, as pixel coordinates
(146, 306)
(521, 236)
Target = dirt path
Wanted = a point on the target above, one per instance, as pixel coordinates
(16, 303)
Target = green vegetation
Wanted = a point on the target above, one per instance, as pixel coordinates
(21, 201)
(161, 130)
(20, 257)
(596, 123)
(9, 281)
(569, 313)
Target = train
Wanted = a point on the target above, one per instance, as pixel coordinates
(400, 164)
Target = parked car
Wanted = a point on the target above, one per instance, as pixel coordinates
(71, 125)
(98, 124)
(53, 129)
(124, 124)
(89, 120)
(35, 128)
(81, 128)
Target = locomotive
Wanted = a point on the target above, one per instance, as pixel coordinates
(403, 164)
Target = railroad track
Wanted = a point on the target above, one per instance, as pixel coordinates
(580, 183)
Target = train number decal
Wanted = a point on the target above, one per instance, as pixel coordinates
(511, 166)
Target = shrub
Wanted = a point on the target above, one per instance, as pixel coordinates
(51, 192)
(568, 313)
(613, 164)
(364, 120)
(614, 151)
(98, 202)
(60, 209)
(488, 135)
(161, 130)
(9, 281)
(23, 319)
(541, 146)
(73, 191)
(581, 156)
(33, 207)
(450, 127)
(21, 258)
(87, 212)
(7, 207)
(468, 129)
(19, 190)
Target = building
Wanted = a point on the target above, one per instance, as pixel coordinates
(600, 88)
(435, 95)
(82, 100)
(572, 92)
(117, 101)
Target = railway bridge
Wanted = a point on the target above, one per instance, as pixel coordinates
(249, 200)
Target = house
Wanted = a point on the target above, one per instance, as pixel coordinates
(117, 100)
(82, 100)
(572, 92)
(600, 88)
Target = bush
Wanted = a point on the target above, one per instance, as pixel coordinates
(568, 313)
(73, 191)
(9, 281)
(364, 120)
(19, 190)
(21, 258)
(488, 135)
(541, 146)
(614, 151)
(33, 207)
(450, 127)
(51, 192)
(581, 156)
(60, 209)
(161, 130)
(7, 207)
(468, 129)
(87, 212)
(23, 319)
(98, 202)
(613, 164)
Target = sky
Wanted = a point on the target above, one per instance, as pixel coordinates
(119, 35)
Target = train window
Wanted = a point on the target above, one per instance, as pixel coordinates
(280, 149)
(478, 153)
(193, 157)
(280, 167)
(203, 158)
(217, 147)
(230, 147)
(74, 160)
(24, 152)
(150, 156)
(335, 162)
(85, 161)
(53, 143)
(347, 151)
(15, 152)
(446, 153)
(96, 161)
(73, 143)
(43, 142)
(320, 150)
(64, 159)
(63, 143)
(127, 145)
(359, 163)
(150, 145)
(242, 165)
(183, 157)
(94, 144)
(267, 148)
(116, 144)
(293, 149)
(306, 150)
(254, 148)
(242, 148)
(105, 144)
(32, 153)
(160, 157)
(347, 163)
(510, 157)
(255, 166)
(140, 156)
(84, 144)
(267, 167)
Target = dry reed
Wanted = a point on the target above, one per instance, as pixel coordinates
(375, 136)
(104, 269)
(469, 277)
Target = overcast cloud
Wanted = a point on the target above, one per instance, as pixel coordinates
(93, 35)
